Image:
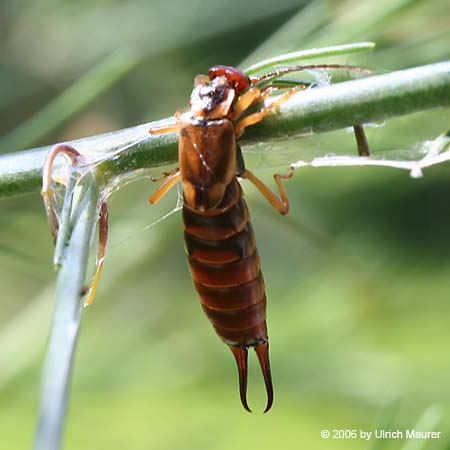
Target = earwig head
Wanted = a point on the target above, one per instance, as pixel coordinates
(236, 78)
(211, 99)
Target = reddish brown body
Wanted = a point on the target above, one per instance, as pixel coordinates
(226, 270)
(219, 239)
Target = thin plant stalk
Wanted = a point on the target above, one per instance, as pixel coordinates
(66, 322)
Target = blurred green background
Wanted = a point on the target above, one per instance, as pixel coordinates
(357, 275)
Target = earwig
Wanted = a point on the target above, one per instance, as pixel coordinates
(219, 238)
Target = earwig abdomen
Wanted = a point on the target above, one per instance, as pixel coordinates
(225, 267)
(219, 239)
(226, 271)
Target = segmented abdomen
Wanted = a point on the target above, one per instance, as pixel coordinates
(225, 267)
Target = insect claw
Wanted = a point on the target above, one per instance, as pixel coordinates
(240, 353)
(262, 351)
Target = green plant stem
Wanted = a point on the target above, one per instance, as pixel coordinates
(66, 321)
(321, 109)
(360, 101)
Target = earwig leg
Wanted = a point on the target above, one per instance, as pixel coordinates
(258, 116)
(164, 175)
(361, 140)
(240, 354)
(102, 239)
(245, 101)
(47, 191)
(281, 204)
(262, 351)
(168, 184)
(163, 129)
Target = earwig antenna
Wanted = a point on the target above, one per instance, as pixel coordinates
(284, 70)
